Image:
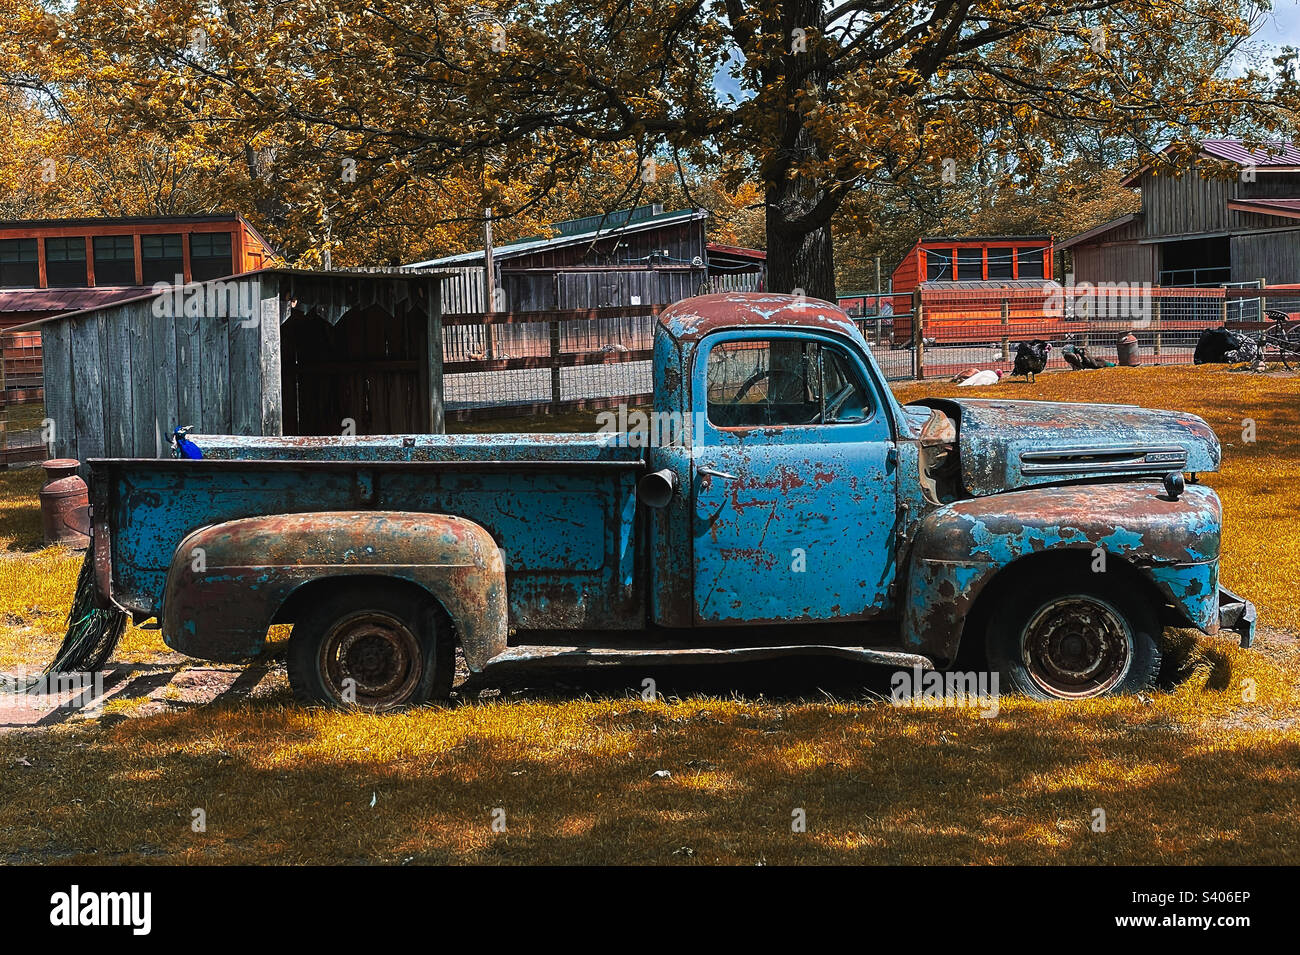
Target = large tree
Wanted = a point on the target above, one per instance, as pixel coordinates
(456, 106)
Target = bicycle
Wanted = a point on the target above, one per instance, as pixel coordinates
(1281, 341)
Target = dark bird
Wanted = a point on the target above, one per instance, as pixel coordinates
(1031, 358)
(1078, 357)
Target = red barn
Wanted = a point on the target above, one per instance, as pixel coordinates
(984, 258)
(52, 266)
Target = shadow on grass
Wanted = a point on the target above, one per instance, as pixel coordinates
(573, 784)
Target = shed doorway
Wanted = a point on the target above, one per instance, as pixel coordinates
(368, 373)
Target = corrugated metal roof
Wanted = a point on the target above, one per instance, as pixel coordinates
(64, 299)
(1275, 155)
(126, 295)
(738, 251)
(530, 245)
(1037, 237)
(1272, 154)
(89, 221)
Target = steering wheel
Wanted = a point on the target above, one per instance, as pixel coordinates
(834, 404)
(750, 382)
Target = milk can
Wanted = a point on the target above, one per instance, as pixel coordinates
(1127, 350)
(65, 504)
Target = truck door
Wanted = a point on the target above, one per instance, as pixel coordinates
(793, 481)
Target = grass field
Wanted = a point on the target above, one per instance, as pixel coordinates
(1205, 772)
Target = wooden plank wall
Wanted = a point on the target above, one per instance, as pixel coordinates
(1188, 205)
(1272, 256)
(1114, 262)
(119, 379)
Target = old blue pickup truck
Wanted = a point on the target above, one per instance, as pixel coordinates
(777, 501)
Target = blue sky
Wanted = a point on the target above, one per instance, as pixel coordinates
(1283, 26)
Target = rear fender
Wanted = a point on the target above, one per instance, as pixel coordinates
(961, 547)
(227, 581)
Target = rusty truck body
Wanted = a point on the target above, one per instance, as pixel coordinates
(778, 500)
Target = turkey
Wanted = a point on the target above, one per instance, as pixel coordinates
(1078, 357)
(1031, 358)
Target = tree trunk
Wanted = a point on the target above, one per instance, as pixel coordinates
(797, 260)
(799, 254)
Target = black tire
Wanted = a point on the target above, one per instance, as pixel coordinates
(390, 640)
(1073, 643)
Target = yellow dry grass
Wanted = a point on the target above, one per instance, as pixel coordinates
(1208, 773)
(1194, 777)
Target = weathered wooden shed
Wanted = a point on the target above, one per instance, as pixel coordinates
(278, 351)
(640, 256)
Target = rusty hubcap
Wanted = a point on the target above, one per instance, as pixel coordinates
(372, 659)
(1077, 646)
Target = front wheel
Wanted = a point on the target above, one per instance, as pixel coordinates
(376, 647)
(1074, 643)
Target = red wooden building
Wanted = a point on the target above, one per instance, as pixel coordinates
(984, 258)
(52, 266)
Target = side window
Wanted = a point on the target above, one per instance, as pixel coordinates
(1030, 262)
(1000, 263)
(784, 381)
(847, 398)
(970, 265)
(938, 265)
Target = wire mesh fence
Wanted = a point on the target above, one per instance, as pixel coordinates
(519, 362)
(22, 413)
(981, 329)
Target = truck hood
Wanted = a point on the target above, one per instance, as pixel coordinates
(1006, 445)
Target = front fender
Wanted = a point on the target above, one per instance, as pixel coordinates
(227, 581)
(959, 549)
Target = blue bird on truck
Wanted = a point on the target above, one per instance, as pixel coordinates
(782, 502)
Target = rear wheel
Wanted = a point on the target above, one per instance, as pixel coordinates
(1287, 339)
(1074, 643)
(378, 647)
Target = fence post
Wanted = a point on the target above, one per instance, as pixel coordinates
(1006, 325)
(555, 367)
(918, 337)
(1155, 318)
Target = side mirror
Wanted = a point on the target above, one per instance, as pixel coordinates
(656, 489)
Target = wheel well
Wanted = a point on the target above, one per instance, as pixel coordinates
(308, 593)
(1042, 569)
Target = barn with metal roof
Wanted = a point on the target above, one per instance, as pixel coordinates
(1203, 228)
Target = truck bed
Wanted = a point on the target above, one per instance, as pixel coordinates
(562, 507)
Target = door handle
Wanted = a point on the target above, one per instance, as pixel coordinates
(711, 472)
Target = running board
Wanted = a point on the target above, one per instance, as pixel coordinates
(662, 656)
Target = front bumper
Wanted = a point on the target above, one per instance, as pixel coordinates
(1237, 614)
